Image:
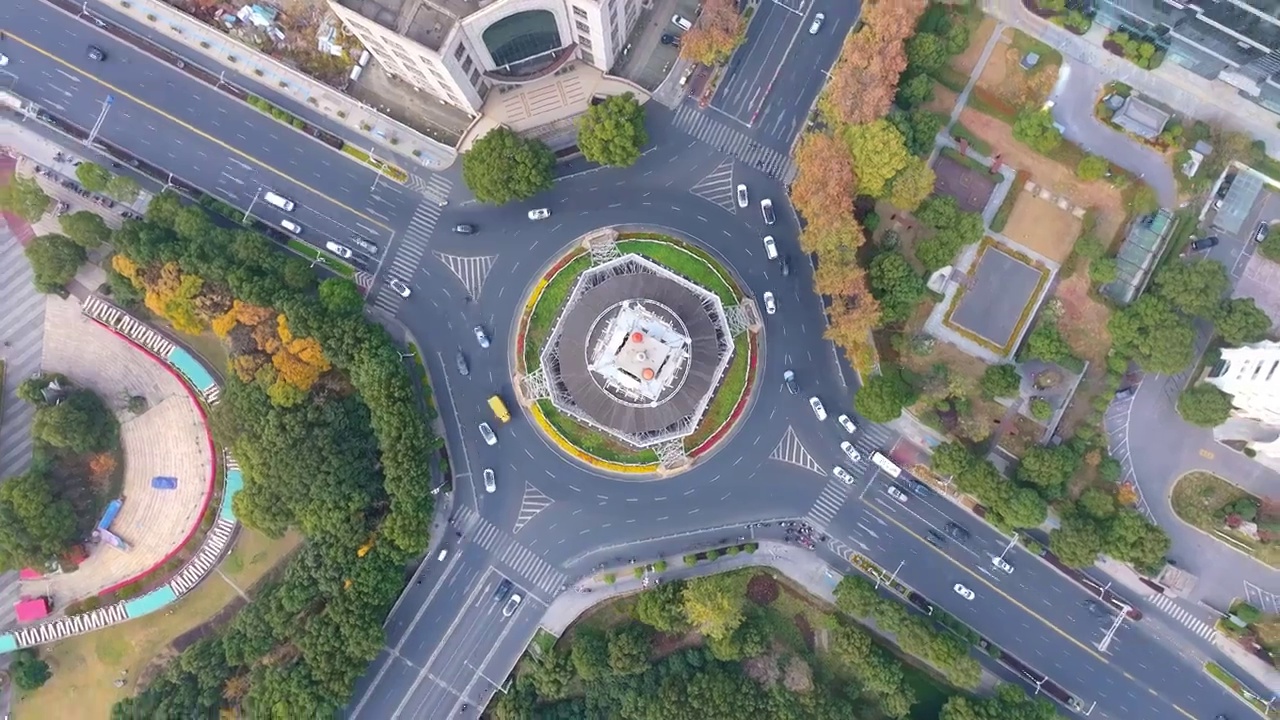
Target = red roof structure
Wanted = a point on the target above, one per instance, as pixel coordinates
(31, 609)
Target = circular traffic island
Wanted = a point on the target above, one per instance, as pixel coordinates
(636, 352)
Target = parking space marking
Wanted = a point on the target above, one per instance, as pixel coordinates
(1265, 600)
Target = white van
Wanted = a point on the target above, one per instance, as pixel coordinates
(279, 201)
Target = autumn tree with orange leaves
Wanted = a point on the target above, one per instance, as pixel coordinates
(716, 33)
(865, 78)
(824, 187)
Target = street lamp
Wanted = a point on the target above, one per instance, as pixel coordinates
(405, 356)
(252, 202)
(318, 260)
(1111, 631)
(97, 124)
(891, 577)
(1012, 541)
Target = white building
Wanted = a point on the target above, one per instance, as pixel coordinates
(1251, 375)
(457, 50)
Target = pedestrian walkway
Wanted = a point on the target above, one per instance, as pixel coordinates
(527, 566)
(407, 257)
(704, 125)
(828, 504)
(717, 187)
(262, 75)
(1170, 607)
(790, 450)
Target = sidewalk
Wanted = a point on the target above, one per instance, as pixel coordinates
(1171, 84)
(802, 567)
(263, 75)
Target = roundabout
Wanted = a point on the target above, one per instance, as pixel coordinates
(636, 352)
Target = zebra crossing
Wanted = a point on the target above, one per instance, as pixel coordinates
(471, 271)
(790, 450)
(1197, 626)
(829, 502)
(533, 502)
(717, 186)
(706, 128)
(435, 188)
(409, 251)
(528, 566)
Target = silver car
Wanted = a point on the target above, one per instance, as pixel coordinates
(481, 337)
(486, 432)
(490, 484)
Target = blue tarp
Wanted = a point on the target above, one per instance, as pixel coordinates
(164, 483)
(108, 517)
(234, 483)
(150, 602)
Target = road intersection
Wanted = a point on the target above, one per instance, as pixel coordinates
(553, 522)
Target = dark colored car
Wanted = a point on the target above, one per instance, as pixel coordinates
(504, 589)
(935, 538)
(921, 489)
(957, 532)
(463, 368)
(96, 53)
(1225, 186)
(789, 377)
(669, 39)
(1125, 393)
(786, 266)
(1261, 233)
(464, 229)
(1204, 243)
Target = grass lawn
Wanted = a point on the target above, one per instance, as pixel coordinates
(725, 399)
(1198, 497)
(692, 265)
(980, 146)
(548, 308)
(84, 667)
(594, 441)
(1025, 44)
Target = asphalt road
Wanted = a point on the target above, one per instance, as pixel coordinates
(551, 521)
(771, 81)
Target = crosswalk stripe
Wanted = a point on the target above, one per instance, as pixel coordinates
(1171, 608)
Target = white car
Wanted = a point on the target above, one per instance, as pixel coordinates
(490, 485)
(770, 248)
(1001, 565)
(842, 474)
(851, 451)
(742, 196)
(681, 23)
(341, 251)
(963, 591)
(4, 60)
(770, 305)
(539, 214)
(818, 409)
(401, 289)
(486, 432)
(817, 23)
(513, 602)
(766, 209)
(444, 553)
(897, 493)
(481, 337)
(291, 226)
(847, 424)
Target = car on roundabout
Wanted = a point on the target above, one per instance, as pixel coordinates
(818, 409)
(481, 336)
(539, 214)
(490, 483)
(842, 475)
(766, 209)
(4, 60)
(789, 377)
(817, 23)
(486, 432)
(770, 248)
(460, 360)
(963, 591)
(401, 289)
(465, 228)
(851, 451)
(742, 196)
(770, 304)
(847, 424)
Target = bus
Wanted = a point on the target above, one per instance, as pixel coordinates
(885, 464)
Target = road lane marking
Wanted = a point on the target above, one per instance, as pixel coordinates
(201, 133)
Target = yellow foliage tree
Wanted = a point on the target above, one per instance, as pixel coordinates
(308, 350)
(172, 296)
(224, 323)
(251, 315)
(267, 338)
(125, 267)
(294, 371)
(282, 329)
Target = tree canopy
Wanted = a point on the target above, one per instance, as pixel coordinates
(1000, 381)
(54, 259)
(80, 423)
(612, 132)
(896, 285)
(919, 128)
(879, 153)
(24, 198)
(716, 33)
(1240, 322)
(1152, 332)
(911, 185)
(35, 526)
(883, 397)
(1204, 405)
(1092, 167)
(502, 166)
(1195, 288)
(28, 670)
(824, 186)
(93, 176)
(1035, 129)
(85, 229)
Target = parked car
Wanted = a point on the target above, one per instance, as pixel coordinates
(1261, 233)
(770, 304)
(818, 409)
(1125, 393)
(921, 489)
(847, 424)
(490, 484)
(681, 23)
(770, 248)
(539, 214)
(341, 251)
(1204, 243)
(789, 377)
(851, 451)
(963, 591)
(4, 60)
(1225, 186)
(742, 196)
(897, 493)
(401, 289)
(481, 336)
(669, 39)
(766, 209)
(817, 23)
(935, 538)
(486, 432)
(842, 475)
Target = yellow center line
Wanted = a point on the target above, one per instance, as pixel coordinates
(1011, 599)
(197, 131)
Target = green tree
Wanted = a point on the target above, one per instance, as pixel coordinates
(1153, 334)
(589, 653)
(1132, 538)
(1270, 246)
(879, 153)
(1092, 167)
(502, 166)
(1041, 409)
(1077, 541)
(1097, 504)
(926, 53)
(883, 397)
(951, 459)
(912, 185)
(1046, 343)
(341, 297)
(93, 176)
(713, 605)
(612, 132)
(123, 188)
(1195, 288)
(662, 608)
(628, 650)
(938, 212)
(27, 670)
(35, 526)
(1145, 200)
(1240, 322)
(1008, 702)
(1103, 270)
(750, 640)
(1022, 507)
(24, 198)
(1048, 466)
(54, 259)
(856, 596)
(553, 676)
(81, 423)
(1204, 405)
(1035, 129)
(85, 229)
(915, 92)
(919, 127)
(1001, 381)
(896, 285)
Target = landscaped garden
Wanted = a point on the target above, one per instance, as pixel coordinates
(1229, 514)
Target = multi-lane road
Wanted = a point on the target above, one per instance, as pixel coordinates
(552, 522)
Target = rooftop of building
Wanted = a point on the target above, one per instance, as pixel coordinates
(1141, 118)
(427, 22)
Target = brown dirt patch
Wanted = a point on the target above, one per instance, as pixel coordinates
(762, 589)
(1021, 435)
(943, 102)
(1105, 200)
(970, 188)
(1004, 77)
(1042, 226)
(1084, 327)
(664, 644)
(806, 630)
(966, 61)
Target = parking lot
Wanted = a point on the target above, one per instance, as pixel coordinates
(770, 34)
(1249, 204)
